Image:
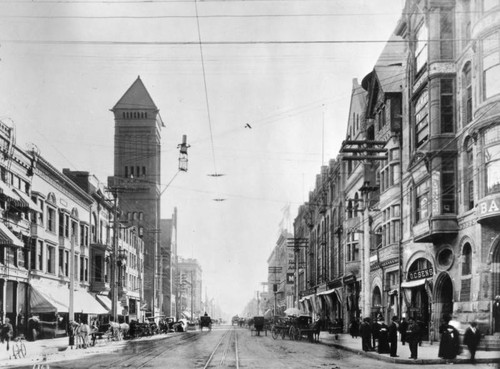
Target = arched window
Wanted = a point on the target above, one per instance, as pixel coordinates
(467, 259)
(93, 228)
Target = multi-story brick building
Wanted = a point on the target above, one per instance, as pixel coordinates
(137, 180)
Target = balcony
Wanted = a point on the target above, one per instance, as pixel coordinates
(436, 228)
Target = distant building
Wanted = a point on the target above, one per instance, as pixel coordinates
(168, 247)
(189, 296)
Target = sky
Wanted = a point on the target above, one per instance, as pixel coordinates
(285, 67)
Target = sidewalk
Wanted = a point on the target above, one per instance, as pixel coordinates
(57, 349)
(427, 353)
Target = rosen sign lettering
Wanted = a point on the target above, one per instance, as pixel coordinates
(419, 274)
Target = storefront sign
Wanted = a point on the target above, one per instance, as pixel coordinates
(290, 278)
(420, 274)
(489, 208)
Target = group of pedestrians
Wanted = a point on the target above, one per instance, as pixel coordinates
(377, 336)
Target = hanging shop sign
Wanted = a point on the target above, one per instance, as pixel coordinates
(420, 274)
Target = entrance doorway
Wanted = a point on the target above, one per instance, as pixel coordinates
(444, 301)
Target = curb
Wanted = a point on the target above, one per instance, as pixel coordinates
(382, 357)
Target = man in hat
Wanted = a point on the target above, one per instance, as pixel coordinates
(413, 336)
(496, 313)
(472, 337)
(393, 336)
(366, 333)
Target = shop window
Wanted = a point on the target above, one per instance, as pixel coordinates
(422, 119)
(467, 94)
(492, 159)
(491, 65)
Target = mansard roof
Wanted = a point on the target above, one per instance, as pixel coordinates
(136, 97)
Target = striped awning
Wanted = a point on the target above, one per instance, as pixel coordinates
(8, 238)
(8, 192)
(105, 301)
(26, 200)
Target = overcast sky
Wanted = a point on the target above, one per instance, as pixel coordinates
(65, 63)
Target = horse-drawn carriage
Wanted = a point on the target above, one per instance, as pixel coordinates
(205, 322)
(258, 325)
(296, 327)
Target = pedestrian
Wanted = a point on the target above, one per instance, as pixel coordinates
(6, 332)
(449, 345)
(383, 338)
(375, 333)
(354, 328)
(366, 333)
(496, 313)
(413, 336)
(472, 336)
(33, 327)
(403, 326)
(393, 336)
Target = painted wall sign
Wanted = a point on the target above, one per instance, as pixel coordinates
(420, 274)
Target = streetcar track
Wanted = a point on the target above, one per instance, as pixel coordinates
(151, 352)
(228, 336)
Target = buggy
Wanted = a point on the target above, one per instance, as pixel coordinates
(205, 321)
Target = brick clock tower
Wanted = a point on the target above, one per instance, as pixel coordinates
(136, 181)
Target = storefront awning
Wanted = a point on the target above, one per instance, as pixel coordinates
(105, 302)
(8, 238)
(308, 297)
(7, 191)
(46, 299)
(26, 200)
(327, 292)
(415, 283)
(85, 303)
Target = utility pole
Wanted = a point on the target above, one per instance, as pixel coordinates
(114, 255)
(71, 312)
(367, 151)
(297, 244)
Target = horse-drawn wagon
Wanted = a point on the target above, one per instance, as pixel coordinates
(205, 322)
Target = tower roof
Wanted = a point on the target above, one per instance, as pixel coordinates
(136, 97)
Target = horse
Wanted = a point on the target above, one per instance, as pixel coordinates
(82, 334)
(118, 330)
